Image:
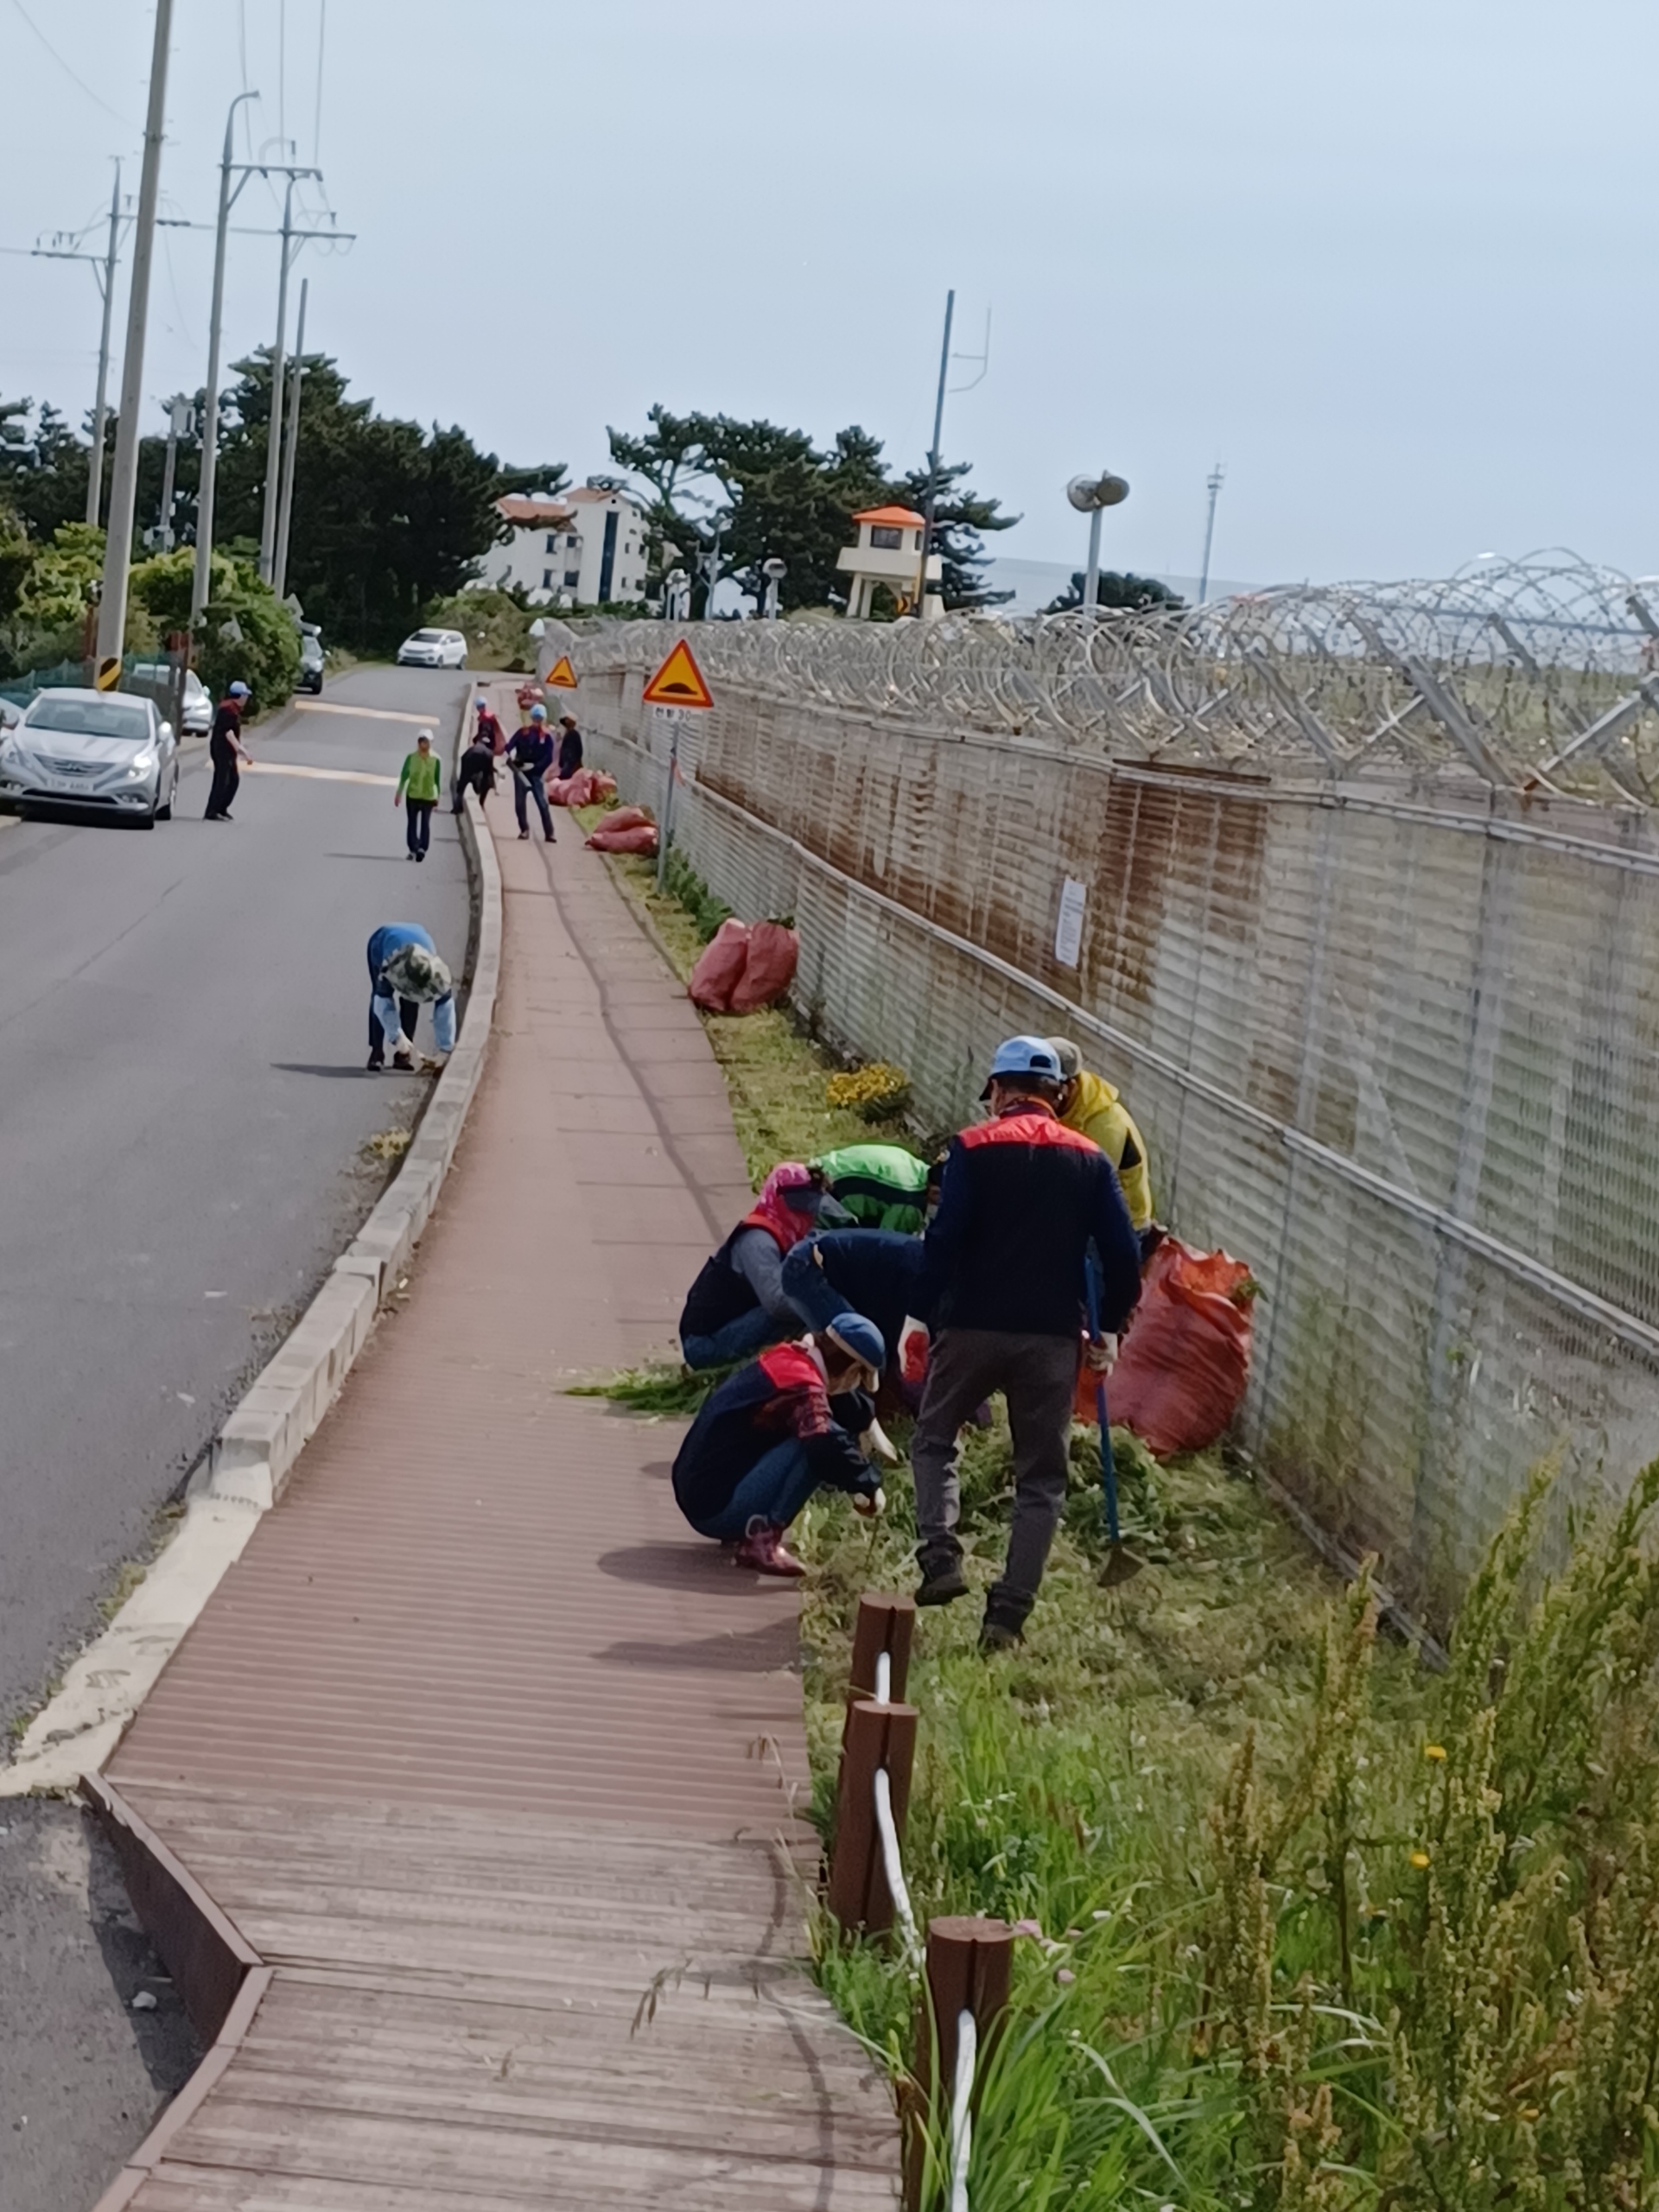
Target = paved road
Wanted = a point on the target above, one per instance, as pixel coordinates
(183, 1103)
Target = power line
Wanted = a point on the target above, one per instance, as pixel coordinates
(95, 96)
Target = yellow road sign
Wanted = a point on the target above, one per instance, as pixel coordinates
(678, 682)
(562, 675)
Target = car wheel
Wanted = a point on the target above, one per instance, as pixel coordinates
(165, 813)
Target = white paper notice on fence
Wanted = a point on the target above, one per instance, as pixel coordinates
(1068, 931)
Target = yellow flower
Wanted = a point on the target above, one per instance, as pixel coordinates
(1433, 1751)
(1529, 2112)
(1420, 1858)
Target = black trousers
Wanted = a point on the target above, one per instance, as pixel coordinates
(226, 776)
(409, 1013)
(418, 828)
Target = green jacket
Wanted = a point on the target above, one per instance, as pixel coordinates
(882, 1185)
(420, 778)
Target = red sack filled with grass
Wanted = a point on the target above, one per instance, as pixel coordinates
(1180, 1376)
(570, 790)
(770, 969)
(600, 785)
(624, 817)
(720, 967)
(635, 837)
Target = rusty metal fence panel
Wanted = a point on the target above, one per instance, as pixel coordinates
(1392, 1038)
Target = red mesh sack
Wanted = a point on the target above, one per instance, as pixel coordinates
(637, 837)
(1180, 1376)
(624, 817)
(568, 790)
(720, 967)
(598, 784)
(770, 970)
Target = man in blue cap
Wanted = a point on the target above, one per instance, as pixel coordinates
(1021, 1200)
(780, 1429)
(225, 750)
(530, 756)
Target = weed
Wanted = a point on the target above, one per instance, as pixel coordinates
(388, 1144)
(129, 1575)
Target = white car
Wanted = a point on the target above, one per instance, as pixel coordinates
(106, 752)
(433, 649)
(196, 719)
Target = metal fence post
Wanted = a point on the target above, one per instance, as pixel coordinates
(876, 1736)
(968, 1969)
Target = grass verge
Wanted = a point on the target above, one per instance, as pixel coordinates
(1303, 1928)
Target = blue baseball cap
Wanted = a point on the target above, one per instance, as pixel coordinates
(539, 714)
(860, 1340)
(237, 691)
(1024, 1056)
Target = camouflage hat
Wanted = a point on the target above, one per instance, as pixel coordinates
(412, 972)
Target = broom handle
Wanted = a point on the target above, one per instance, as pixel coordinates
(1108, 1463)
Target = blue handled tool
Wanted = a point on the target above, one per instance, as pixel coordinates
(1122, 1563)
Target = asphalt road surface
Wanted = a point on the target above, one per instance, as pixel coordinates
(183, 1109)
(183, 1105)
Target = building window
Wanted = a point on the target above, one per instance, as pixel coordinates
(572, 578)
(547, 579)
(885, 540)
(552, 542)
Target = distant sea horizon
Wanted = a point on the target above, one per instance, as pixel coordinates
(1035, 583)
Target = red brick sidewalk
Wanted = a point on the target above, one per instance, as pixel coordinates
(481, 1750)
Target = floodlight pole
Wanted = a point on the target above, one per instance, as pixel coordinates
(1092, 574)
(1217, 476)
(932, 497)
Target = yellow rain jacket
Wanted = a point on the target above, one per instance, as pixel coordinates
(1096, 1113)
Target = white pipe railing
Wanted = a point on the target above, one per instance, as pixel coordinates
(962, 2116)
(893, 1866)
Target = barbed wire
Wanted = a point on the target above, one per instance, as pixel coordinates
(1541, 673)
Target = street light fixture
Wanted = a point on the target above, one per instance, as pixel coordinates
(1089, 495)
(775, 571)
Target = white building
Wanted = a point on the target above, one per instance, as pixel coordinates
(584, 547)
(888, 551)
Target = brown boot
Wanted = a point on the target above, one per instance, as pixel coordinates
(762, 1550)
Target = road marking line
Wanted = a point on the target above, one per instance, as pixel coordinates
(323, 775)
(369, 714)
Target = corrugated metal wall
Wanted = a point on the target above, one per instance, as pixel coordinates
(1392, 1042)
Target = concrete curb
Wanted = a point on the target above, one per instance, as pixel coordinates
(252, 1458)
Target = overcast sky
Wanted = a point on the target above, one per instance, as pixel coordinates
(1390, 264)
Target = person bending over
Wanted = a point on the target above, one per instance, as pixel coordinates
(778, 1430)
(405, 973)
(738, 1302)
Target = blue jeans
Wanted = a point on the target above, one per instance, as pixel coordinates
(750, 1332)
(775, 1489)
(525, 788)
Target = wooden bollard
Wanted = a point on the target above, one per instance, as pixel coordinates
(875, 1736)
(886, 1624)
(969, 1965)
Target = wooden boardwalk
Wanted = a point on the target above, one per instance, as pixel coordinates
(491, 1761)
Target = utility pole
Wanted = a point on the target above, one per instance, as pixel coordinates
(1216, 475)
(100, 410)
(274, 434)
(178, 424)
(279, 577)
(124, 476)
(199, 584)
(933, 458)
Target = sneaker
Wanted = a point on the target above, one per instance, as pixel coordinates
(943, 1588)
(405, 1061)
(376, 1061)
(523, 837)
(997, 1636)
(420, 856)
(762, 1550)
(549, 839)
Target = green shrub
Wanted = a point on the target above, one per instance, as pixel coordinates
(266, 654)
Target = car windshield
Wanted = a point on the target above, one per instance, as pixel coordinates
(122, 718)
(428, 638)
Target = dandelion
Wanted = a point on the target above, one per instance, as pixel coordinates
(1420, 1858)
(1433, 1751)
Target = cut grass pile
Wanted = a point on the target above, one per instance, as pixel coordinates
(1304, 1927)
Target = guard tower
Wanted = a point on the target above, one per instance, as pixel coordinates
(889, 552)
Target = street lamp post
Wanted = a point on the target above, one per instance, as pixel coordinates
(1217, 475)
(775, 571)
(1090, 495)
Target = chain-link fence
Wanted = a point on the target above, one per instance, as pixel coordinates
(1387, 1010)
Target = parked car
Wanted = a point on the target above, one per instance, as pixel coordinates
(106, 752)
(433, 649)
(310, 676)
(154, 678)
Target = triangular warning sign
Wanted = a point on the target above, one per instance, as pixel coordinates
(678, 682)
(562, 675)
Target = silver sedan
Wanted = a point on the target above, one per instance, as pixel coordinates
(105, 753)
